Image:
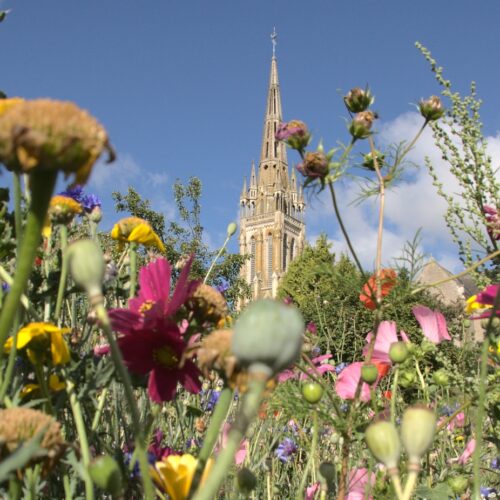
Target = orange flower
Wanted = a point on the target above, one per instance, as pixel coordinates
(369, 292)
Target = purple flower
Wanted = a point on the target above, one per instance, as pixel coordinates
(89, 202)
(495, 463)
(340, 367)
(212, 400)
(75, 192)
(223, 287)
(487, 492)
(294, 133)
(285, 450)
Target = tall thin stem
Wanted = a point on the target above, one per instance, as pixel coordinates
(133, 268)
(63, 238)
(219, 253)
(310, 459)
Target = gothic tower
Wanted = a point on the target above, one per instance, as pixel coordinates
(272, 229)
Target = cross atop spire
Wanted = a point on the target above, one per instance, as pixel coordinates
(274, 36)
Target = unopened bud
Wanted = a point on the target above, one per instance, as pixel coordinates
(86, 265)
(246, 480)
(315, 164)
(231, 228)
(406, 379)
(95, 215)
(369, 160)
(358, 100)
(106, 474)
(361, 124)
(458, 484)
(418, 427)
(369, 373)
(441, 377)
(383, 440)
(431, 109)
(327, 470)
(398, 352)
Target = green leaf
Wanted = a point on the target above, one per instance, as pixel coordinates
(439, 492)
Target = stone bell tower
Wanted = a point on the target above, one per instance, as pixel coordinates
(272, 228)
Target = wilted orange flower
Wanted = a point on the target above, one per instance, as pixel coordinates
(368, 294)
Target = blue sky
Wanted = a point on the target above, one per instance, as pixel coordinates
(181, 88)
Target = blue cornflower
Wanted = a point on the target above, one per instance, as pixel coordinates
(212, 400)
(5, 287)
(316, 351)
(75, 192)
(340, 367)
(449, 410)
(223, 287)
(487, 492)
(495, 463)
(89, 202)
(285, 450)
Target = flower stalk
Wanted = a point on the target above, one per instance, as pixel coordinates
(63, 238)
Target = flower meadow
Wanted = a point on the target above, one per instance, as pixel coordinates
(134, 365)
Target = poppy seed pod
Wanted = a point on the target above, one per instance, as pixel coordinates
(398, 352)
(417, 431)
(231, 228)
(268, 336)
(106, 474)
(86, 265)
(383, 440)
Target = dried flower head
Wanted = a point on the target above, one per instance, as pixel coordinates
(208, 304)
(62, 209)
(51, 135)
(431, 109)
(215, 354)
(18, 425)
(315, 164)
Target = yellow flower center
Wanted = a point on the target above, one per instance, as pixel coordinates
(146, 306)
(166, 357)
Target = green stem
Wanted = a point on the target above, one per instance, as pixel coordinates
(11, 362)
(5, 276)
(18, 222)
(422, 381)
(247, 412)
(42, 381)
(411, 481)
(63, 234)
(123, 374)
(43, 183)
(394, 394)
(132, 252)
(219, 253)
(310, 459)
(82, 435)
(396, 483)
(216, 422)
(100, 408)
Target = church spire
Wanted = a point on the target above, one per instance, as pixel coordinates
(273, 152)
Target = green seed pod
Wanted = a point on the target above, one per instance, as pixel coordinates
(383, 440)
(398, 352)
(312, 392)
(268, 336)
(441, 377)
(246, 480)
(406, 379)
(231, 228)
(418, 426)
(369, 373)
(86, 265)
(458, 484)
(327, 470)
(107, 475)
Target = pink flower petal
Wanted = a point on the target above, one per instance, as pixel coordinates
(433, 324)
(469, 450)
(358, 482)
(311, 491)
(347, 383)
(387, 335)
(285, 375)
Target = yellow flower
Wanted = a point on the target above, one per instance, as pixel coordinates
(174, 474)
(6, 104)
(135, 229)
(62, 209)
(472, 305)
(37, 337)
(55, 384)
(51, 135)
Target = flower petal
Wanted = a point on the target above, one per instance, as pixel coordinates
(347, 383)
(433, 324)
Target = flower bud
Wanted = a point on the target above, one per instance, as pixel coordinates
(431, 109)
(418, 426)
(246, 480)
(231, 228)
(95, 215)
(398, 352)
(383, 440)
(361, 124)
(312, 392)
(358, 100)
(369, 373)
(406, 379)
(369, 160)
(62, 209)
(441, 377)
(327, 470)
(268, 336)
(294, 133)
(86, 265)
(106, 474)
(458, 484)
(315, 164)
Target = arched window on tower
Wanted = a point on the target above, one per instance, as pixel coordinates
(285, 244)
(252, 258)
(269, 243)
(292, 249)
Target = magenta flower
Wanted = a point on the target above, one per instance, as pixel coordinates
(348, 380)
(492, 221)
(151, 341)
(294, 133)
(386, 336)
(311, 491)
(321, 366)
(433, 324)
(358, 483)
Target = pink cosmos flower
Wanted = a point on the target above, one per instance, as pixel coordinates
(433, 324)
(347, 383)
(311, 491)
(358, 483)
(386, 336)
(321, 367)
(242, 451)
(469, 450)
(150, 341)
(456, 422)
